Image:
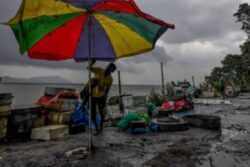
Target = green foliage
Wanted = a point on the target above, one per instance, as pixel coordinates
(156, 98)
(243, 16)
(232, 62)
(236, 67)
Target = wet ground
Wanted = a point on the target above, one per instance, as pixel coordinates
(195, 147)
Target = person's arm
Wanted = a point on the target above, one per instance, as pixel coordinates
(107, 92)
(108, 84)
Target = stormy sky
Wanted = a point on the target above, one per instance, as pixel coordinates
(205, 32)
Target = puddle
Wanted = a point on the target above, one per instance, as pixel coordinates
(226, 135)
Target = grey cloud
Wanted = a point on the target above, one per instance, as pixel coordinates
(195, 19)
(132, 64)
(159, 54)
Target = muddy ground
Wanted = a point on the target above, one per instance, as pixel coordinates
(195, 147)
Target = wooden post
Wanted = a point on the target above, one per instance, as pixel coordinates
(162, 79)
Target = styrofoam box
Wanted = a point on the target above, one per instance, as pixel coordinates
(49, 132)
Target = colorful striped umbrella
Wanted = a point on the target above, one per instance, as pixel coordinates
(70, 29)
(85, 29)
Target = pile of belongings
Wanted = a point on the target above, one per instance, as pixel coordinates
(60, 104)
(64, 108)
(81, 116)
(177, 104)
(134, 123)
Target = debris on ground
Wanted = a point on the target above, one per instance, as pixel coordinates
(195, 147)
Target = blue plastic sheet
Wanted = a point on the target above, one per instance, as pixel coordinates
(86, 118)
(77, 116)
(81, 115)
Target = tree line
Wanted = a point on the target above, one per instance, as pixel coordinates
(236, 67)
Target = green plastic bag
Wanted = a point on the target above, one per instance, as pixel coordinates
(151, 107)
(124, 124)
(144, 116)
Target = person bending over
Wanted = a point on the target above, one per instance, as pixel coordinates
(100, 85)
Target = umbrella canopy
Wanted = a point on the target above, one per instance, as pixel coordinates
(85, 29)
(70, 29)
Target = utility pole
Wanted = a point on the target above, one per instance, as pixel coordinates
(193, 81)
(162, 79)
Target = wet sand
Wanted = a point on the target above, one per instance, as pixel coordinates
(195, 147)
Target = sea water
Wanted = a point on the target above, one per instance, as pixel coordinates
(26, 94)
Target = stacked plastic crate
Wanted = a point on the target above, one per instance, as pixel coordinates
(5, 112)
(61, 106)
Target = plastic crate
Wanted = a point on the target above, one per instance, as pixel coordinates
(22, 120)
(3, 127)
(51, 91)
(5, 96)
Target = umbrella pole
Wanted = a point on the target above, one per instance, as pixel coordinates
(120, 94)
(90, 89)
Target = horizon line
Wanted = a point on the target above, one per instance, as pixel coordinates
(73, 83)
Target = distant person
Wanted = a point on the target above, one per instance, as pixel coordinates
(170, 89)
(101, 85)
(222, 85)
